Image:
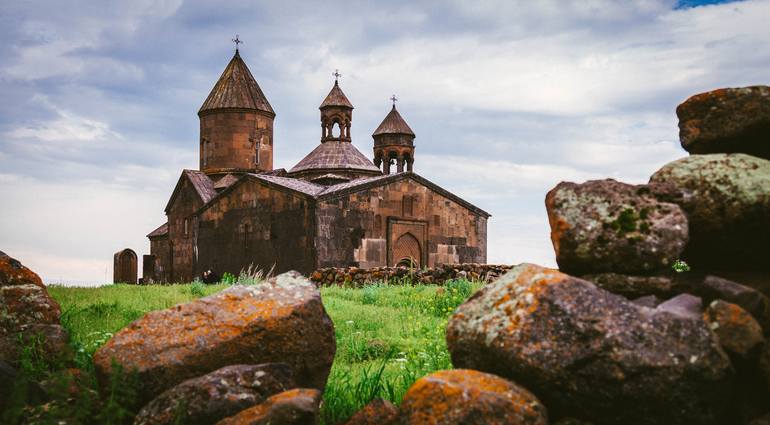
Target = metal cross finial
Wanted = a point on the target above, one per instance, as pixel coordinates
(237, 41)
(336, 74)
(394, 99)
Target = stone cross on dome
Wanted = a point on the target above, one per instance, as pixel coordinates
(237, 41)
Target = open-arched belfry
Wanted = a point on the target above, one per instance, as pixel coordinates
(335, 207)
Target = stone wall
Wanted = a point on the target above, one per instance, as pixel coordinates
(256, 225)
(230, 140)
(363, 229)
(355, 276)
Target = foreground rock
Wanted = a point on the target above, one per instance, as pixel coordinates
(294, 407)
(591, 354)
(727, 120)
(739, 333)
(631, 286)
(756, 303)
(29, 317)
(377, 412)
(469, 397)
(219, 394)
(282, 320)
(727, 201)
(607, 226)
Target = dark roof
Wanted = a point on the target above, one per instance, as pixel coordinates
(203, 185)
(334, 155)
(236, 89)
(225, 181)
(160, 231)
(336, 98)
(297, 185)
(317, 192)
(393, 124)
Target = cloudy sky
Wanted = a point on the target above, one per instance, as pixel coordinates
(99, 100)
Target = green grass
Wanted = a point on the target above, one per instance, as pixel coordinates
(387, 336)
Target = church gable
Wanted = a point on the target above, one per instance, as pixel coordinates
(395, 219)
(256, 224)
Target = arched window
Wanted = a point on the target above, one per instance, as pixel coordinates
(336, 130)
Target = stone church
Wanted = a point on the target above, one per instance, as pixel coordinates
(333, 208)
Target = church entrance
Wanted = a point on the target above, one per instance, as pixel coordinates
(407, 243)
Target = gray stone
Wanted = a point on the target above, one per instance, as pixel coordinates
(591, 354)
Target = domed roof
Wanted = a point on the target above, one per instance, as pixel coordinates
(335, 155)
(336, 98)
(236, 89)
(393, 124)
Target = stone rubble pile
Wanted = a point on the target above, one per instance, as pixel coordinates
(358, 277)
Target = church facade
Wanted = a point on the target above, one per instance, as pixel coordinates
(334, 208)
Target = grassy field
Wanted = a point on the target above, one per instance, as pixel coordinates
(387, 336)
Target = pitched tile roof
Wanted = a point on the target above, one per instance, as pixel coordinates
(334, 155)
(393, 124)
(236, 89)
(225, 181)
(160, 231)
(336, 98)
(297, 185)
(202, 184)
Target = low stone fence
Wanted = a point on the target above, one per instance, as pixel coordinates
(356, 277)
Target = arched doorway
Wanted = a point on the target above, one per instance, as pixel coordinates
(407, 251)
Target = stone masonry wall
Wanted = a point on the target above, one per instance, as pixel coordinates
(357, 277)
(361, 229)
(256, 225)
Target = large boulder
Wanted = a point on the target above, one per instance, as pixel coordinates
(294, 407)
(377, 412)
(217, 395)
(281, 320)
(469, 397)
(590, 354)
(726, 121)
(607, 226)
(727, 201)
(29, 317)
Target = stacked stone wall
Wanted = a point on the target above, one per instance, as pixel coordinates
(357, 277)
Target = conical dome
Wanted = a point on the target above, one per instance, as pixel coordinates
(236, 89)
(336, 98)
(393, 124)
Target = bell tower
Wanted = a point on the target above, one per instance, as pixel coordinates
(236, 123)
(336, 114)
(394, 143)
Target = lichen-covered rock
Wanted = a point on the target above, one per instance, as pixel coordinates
(607, 226)
(13, 273)
(469, 397)
(726, 121)
(282, 320)
(29, 317)
(749, 299)
(378, 412)
(219, 394)
(631, 286)
(727, 201)
(739, 333)
(294, 407)
(591, 354)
